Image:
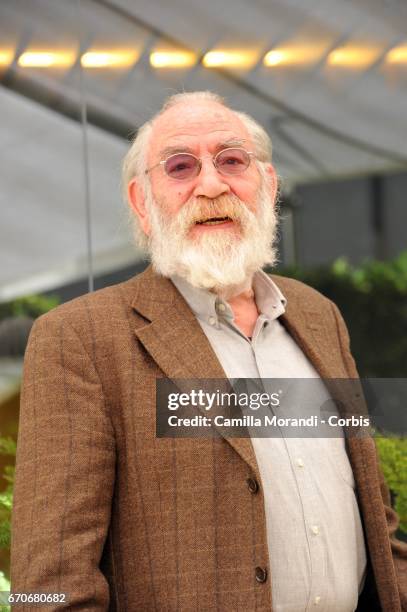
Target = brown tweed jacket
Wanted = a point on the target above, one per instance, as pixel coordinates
(120, 520)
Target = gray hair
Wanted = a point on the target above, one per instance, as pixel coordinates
(135, 161)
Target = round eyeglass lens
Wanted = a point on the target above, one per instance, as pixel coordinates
(232, 161)
(182, 166)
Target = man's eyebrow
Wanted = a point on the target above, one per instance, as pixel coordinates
(172, 150)
(231, 142)
(164, 153)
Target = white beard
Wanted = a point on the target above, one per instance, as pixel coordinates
(223, 260)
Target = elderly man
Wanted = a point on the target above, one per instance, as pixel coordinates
(119, 519)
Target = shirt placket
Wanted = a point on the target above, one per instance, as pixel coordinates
(313, 524)
(313, 521)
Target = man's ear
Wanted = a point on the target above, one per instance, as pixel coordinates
(272, 182)
(136, 198)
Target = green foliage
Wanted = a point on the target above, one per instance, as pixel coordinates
(393, 457)
(373, 301)
(4, 586)
(6, 503)
(7, 447)
(5, 538)
(29, 306)
(4, 583)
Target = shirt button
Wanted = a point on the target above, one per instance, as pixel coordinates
(300, 462)
(261, 574)
(221, 307)
(252, 485)
(315, 529)
(317, 600)
(212, 320)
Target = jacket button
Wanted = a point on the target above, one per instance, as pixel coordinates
(252, 485)
(261, 574)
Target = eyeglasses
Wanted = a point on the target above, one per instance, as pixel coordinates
(184, 166)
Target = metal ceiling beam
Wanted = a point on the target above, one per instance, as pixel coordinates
(64, 105)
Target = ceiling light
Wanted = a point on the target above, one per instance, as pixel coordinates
(274, 58)
(108, 59)
(6, 57)
(45, 59)
(397, 55)
(292, 56)
(229, 59)
(352, 57)
(172, 59)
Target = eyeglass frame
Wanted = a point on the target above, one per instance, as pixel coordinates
(199, 160)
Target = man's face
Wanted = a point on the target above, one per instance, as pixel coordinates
(175, 213)
(202, 129)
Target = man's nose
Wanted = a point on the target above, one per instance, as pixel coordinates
(210, 183)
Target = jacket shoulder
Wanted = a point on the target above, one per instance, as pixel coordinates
(295, 289)
(97, 308)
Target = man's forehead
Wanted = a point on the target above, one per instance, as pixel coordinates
(186, 124)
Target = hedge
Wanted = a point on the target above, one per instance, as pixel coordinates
(373, 301)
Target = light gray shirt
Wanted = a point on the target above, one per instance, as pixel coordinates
(315, 538)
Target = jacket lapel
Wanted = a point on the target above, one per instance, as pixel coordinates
(176, 342)
(309, 330)
(313, 334)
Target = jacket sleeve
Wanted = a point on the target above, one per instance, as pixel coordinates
(64, 472)
(399, 549)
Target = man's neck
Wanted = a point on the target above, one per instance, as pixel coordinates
(232, 291)
(243, 304)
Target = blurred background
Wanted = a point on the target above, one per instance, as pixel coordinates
(326, 78)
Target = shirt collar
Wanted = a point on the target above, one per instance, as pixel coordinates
(205, 304)
(269, 299)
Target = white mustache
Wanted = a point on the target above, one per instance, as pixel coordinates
(197, 210)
